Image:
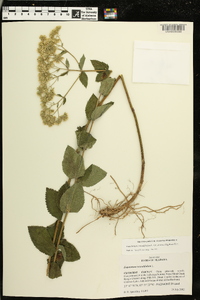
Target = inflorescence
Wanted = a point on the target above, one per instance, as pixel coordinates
(50, 54)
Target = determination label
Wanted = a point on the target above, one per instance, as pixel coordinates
(157, 245)
(156, 267)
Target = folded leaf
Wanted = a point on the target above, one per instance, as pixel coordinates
(92, 176)
(59, 259)
(83, 79)
(100, 110)
(73, 164)
(73, 199)
(42, 239)
(106, 86)
(84, 139)
(72, 253)
(52, 203)
(62, 249)
(103, 75)
(90, 106)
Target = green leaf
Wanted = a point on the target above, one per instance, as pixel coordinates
(99, 65)
(90, 106)
(61, 191)
(83, 79)
(51, 230)
(102, 75)
(63, 52)
(64, 100)
(64, 73)
(42, 239)
(73, 164)
(100, 110)
(92, 176)
(67, 63)
(106, 86)
(52, 203)
(54, 271)
(72, 253)
(84, 139)
(73, 199)
(82, 61)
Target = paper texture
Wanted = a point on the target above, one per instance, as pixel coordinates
(161, 62)
(33, 156)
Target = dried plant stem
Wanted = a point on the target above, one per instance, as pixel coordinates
(128, 206)
(88, 126)
(54, 239)
(110, 212)
(60, 234)
(58, 242)
(71, 86)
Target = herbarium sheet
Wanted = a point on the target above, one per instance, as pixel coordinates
(98, 159)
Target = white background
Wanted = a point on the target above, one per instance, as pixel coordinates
(33, 155)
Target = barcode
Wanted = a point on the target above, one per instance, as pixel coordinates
(173, 27)
(5, 8)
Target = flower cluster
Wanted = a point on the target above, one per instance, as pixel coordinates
(49, 54)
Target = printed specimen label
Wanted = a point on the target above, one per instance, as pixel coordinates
(145, 271)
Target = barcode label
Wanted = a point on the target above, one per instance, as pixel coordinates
(173, 28)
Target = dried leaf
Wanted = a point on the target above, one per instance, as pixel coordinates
(90, 106)
(106, 86)
(99, 65)
(61, 191)
(83, 79)
(84, 139)
(103, 75)
(42, 239)
(73, 199)
(64, 73)
(62, 249)
(67, 63)
(63, 52)
(100, 110)
(73, 164)
(52, 203)
(59, 259)
(54, 271)
(72, 253)
(92, 176)
(64, 100)
(51, 230)
(82, 61)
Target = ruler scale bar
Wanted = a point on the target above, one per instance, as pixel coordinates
(38, 13)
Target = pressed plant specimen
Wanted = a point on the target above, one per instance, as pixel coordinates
(53, 63)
